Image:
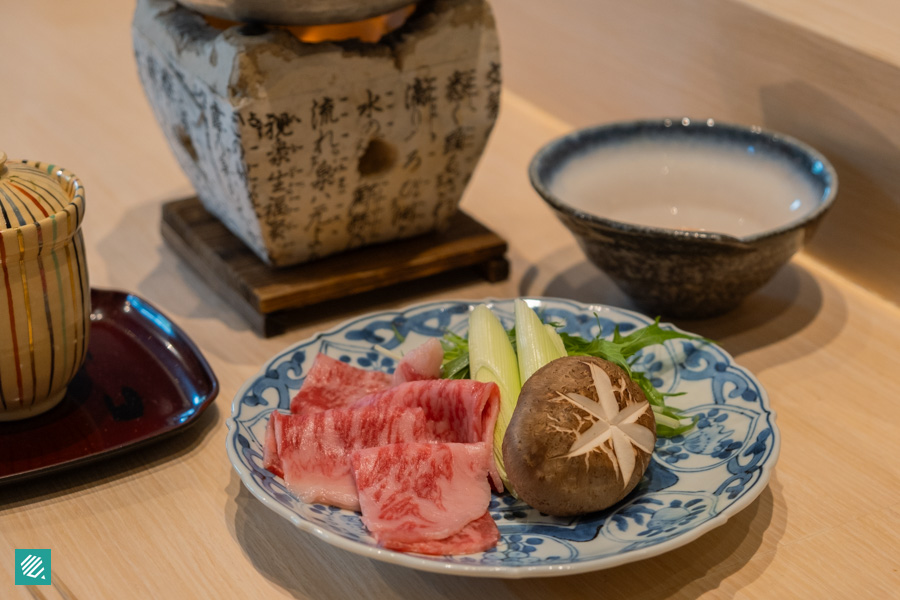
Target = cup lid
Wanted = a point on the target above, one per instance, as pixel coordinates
(41, 205)
(34, 192)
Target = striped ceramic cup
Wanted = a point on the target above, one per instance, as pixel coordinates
(45, 306)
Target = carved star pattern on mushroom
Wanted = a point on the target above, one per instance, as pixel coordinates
(614, 431)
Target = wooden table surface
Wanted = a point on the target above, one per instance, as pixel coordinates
(173, 520)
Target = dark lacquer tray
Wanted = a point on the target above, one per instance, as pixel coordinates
(143, 379)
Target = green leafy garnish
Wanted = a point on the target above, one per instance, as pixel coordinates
(456, 356)
(621, 350)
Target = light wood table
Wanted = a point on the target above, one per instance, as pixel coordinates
(173, 520)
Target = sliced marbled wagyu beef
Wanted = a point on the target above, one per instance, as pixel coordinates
(332, 383)
(315, 449)
(420, 445)
(271, 460)
(477, 536)
(458, 410)
(416, 494)
(422, 362)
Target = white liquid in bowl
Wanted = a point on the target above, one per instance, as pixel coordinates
(716, 187)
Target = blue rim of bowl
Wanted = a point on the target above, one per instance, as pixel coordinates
(547, 161)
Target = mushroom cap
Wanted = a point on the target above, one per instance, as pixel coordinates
(538, 453)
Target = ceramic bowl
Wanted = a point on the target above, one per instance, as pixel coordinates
(693, 246)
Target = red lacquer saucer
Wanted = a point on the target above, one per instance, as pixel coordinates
(143, 379)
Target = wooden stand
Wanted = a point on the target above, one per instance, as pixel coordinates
(270, 298)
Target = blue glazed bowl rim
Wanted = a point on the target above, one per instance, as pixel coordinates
(547, 161)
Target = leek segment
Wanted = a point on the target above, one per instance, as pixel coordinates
(492, 359)
(536, 343)
(556, 339)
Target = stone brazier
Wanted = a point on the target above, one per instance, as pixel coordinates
(303, 150)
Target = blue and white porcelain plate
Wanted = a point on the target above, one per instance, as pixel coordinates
(694, 483)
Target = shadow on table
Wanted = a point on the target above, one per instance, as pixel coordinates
(857, 239)
(293, 560)
(305, 566)
(139, 461)
(171, 283)
(780, 309)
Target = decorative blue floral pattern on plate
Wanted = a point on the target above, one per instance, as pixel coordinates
(694, 483)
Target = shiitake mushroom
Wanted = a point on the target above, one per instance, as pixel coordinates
(580, 437)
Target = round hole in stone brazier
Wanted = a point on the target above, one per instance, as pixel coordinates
(378, 158)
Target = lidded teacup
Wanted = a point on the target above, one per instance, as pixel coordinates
(45, 304)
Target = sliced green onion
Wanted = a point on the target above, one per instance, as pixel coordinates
(555, 338)
(492, 359)
(665, 420)
(670, 423)
(534, 346)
